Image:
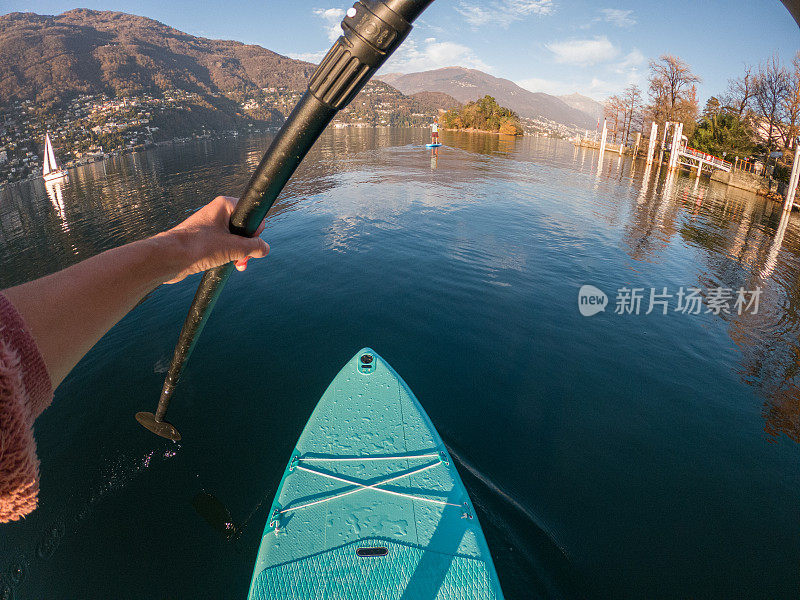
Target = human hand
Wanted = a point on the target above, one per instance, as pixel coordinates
(204, 240)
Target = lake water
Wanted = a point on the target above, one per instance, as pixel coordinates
(618, 455)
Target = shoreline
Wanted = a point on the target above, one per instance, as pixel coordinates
(89, 160)
(473, 130)
(195, 137)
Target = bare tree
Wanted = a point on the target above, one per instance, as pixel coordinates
(771, 91)
(614, 112)
(673, 94)
(791, 106)
(631, 99)
(687, 111)
(739, 94)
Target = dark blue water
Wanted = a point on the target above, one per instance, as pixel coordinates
(649, 456)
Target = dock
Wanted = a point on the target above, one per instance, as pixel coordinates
(695, 159)
(595, 145)
(741, 174)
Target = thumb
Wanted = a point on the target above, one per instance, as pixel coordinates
(253, 247)
(257, 248)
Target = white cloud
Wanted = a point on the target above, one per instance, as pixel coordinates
(603, 81)
(333, 27)
(312, 57)
(631, 62)
(594, 87)
(599, 88)
(503, 12)
(584, 52)
(620, 18)
(333, 20)
(411, 57)
(422, 24)
(548, 86)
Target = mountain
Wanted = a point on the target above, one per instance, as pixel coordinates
(45, 58)
(591, 107)
(466, 85)
(53, 61)
(381, 104)
(434, 101)
(110, 81)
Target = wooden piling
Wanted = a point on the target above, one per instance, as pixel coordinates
(651, 147)
(602, 145)
(793, 179)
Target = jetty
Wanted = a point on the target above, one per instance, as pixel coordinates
(673, 146)
(595, 145)
(695, 159)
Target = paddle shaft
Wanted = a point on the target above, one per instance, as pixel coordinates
(294, 140)
(373, 30)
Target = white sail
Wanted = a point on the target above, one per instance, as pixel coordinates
(50, 154)
(50, 170)
(48, 150)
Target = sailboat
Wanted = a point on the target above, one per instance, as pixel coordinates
(50, 170)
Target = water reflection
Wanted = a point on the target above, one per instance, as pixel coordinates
(775, 246)
(480, 143)
(125, 198)
(55, 191)
(645, 185)
(743, 242)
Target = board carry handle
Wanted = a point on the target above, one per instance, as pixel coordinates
(373, 30)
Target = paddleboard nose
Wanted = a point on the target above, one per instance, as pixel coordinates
(370, 504)
(366, 361)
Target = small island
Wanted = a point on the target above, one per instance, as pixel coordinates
(484, 115)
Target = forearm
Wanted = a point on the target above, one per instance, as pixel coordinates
(69, 311)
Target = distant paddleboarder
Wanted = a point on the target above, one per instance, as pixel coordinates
(435, 131)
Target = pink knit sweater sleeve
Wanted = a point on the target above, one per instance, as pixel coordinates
(25, 391)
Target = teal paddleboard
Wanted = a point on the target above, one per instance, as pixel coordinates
(432, 145)
(370, 504)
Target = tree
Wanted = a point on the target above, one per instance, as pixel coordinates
(771, 91)
(483, 114)
(612, 112)
(721, 131)
(713, 108)
(510, 127)
(673, 94)
(631, 99)
(710, 118)
(739, 94)
(791, 106)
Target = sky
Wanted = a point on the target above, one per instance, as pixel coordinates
(553, 46)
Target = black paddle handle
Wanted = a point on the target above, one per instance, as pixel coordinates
(373, 30)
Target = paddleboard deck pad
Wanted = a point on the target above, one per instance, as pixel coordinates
(370, 504)
(432, 145)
